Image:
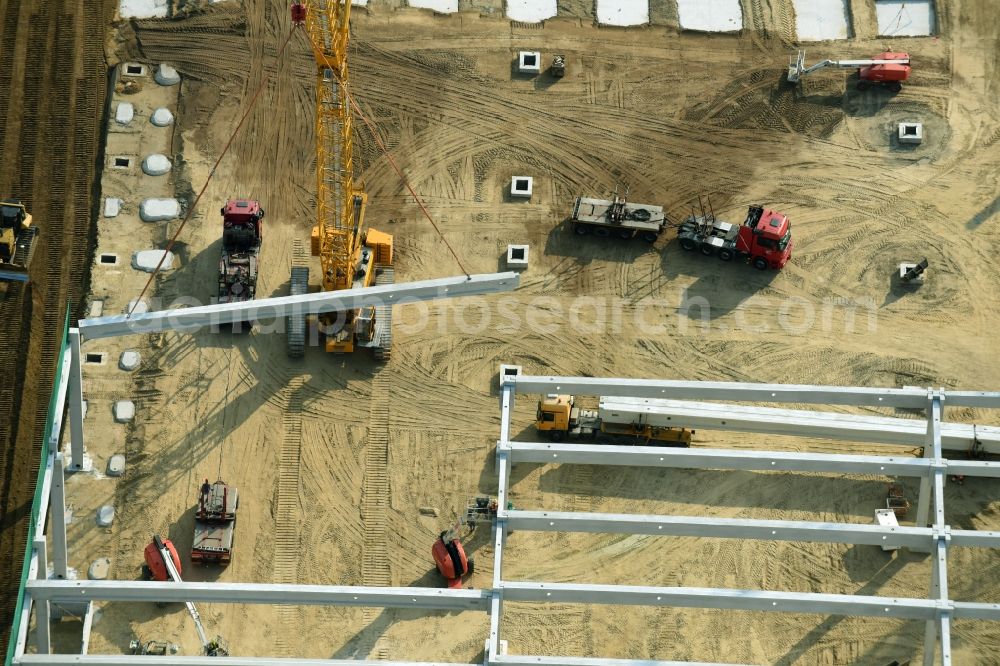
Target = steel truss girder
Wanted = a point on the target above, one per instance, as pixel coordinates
(259, 593)
(742, 528)
(732, 599)
(307, 304)
(179, 660)
(529, 660)
(915, 398)
(659, 456)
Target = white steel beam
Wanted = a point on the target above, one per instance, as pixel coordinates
(525, 660)
(260, 593)
(653, 456)
(190, 319)
(971, 610)
(42, 609)
(798, 423)
(75, 402)
(706, 597)
(179, 660)
(57, 517)
(915, 398)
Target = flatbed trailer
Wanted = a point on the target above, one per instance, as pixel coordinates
(214, 524)
(618, 218)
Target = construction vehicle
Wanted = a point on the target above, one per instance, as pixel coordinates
(350, 257)
(617, 217)
(241, 240)
(558, 68)
(17, 240)
(214, 523)
(559, 417)
(163, 564)
(153, 648)
(763, 240)
(449, 554)
(889, 69)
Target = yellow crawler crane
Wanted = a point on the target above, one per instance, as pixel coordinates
(350, 256)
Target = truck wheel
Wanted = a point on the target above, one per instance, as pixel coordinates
(864, 85)
(648, 236)
(624, 234)
(725, 254)
(602, 232)
(688, 244)
(895, 86)
(581, 230)
(760, 263)
(556, 435)
(707, 250)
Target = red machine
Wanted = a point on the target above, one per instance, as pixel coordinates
(449, 556)
(241, 241)
(764, 239)
(156, 568)
(889, 69)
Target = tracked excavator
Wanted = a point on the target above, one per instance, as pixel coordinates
(887, 69)
(17, 240)
(350, 255)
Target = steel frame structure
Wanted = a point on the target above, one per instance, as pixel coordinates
(930, 534)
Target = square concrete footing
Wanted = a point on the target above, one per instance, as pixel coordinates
(517, 256)
(520, 186)
(911, 133)
(905, 266)
(509, 372)
(529, 62)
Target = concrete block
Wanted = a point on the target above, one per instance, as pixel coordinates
(124, 411)
(148, 260)
(116, 466)
(143, 8)
(129, 360)
(520, 186)
(529, 62)
(167, 75)
(161, 117)
(96, 309)
(517, 256)
(133, 69)
(136, 306)
(112, 207)
(886, 518)
(106, 515)
(509, 372)
(156, 165)
(84, 409)
(154, 210)
(124, 113)
(99, 569)
(911, 133)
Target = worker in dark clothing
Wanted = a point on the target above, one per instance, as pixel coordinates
(206, 490)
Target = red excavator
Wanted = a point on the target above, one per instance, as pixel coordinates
(448, 553)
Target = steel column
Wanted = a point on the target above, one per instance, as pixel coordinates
(57, 518)
(191, 319)
(42, 611)
(75, 401)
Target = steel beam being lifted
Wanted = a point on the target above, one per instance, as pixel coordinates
(914, 398)
(193, 318)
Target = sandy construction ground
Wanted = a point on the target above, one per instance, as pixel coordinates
(335, 456)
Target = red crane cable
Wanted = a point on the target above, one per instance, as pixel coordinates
(211, 174)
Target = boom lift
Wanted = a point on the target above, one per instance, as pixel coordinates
(350, 256)
(449, 554)
(163, 564)
(888, 68)
(17, 240)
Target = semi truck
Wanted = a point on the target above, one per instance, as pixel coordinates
(214, 523)
(559, 417)
(241, 241)
(618, 218)
(764, 240)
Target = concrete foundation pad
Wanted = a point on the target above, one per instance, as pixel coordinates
(166, 75)
(155, 210)
(443, 6)
(124, 113)
(116, 466)
(161, 117)
(112, 207)
(129, 360)
(106, 515)
(99, 569)
(124, 411)
(136, 306)
(907, 265)
(143, 8)
(710, 15)
(905, 18)
(148, 260)
(623, 12)
(531, 11)
(517, 256)
(910, 133)
(529, 62)
(520, 186)
(156, 165)
(818, 20)
(508, 371)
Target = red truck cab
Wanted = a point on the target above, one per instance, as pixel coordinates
(241, 219)
(766, 236)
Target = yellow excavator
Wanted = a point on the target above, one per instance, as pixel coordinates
(17, 240)
(350, 256)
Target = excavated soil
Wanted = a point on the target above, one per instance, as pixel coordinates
(335, 456)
